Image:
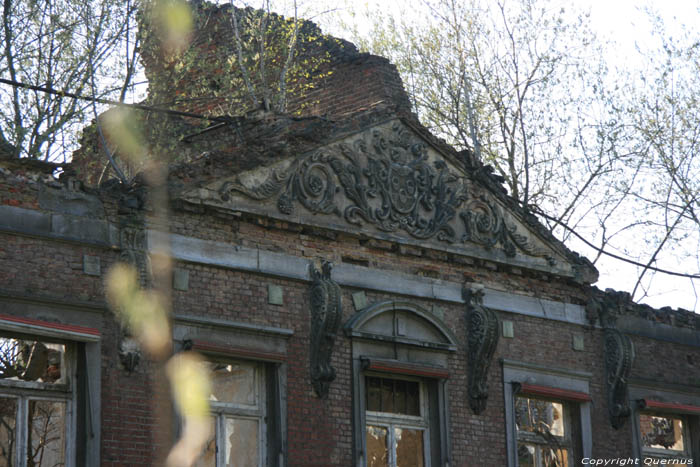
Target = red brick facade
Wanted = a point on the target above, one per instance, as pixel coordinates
(48, 228)
(48, 271)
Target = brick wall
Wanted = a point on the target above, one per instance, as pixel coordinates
(356, 81)
(343, 82)
(319, 430)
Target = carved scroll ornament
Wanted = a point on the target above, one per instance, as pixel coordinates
(619, 355)
(133, 245)
(482, 339)
(326, 314)
(129, 353)
(390, 184)
(606, 307)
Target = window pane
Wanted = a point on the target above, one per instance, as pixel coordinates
(8, 417)
(46, 445)
(233, 383)
(412, 398)
(526, 455)
(393, 396)
(208, 457)
(377, 452)
(661, 432)
(400, 396)
(409, 447)
(539, 416)
(374, 393)
(387, 395)
(241, 439)
(31, 360)
(555, 457)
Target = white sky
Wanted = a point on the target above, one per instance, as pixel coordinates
(625, 22)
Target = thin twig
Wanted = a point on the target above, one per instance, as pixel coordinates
(282, 106)
(241, 63)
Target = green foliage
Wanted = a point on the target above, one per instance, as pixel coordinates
(279, 57)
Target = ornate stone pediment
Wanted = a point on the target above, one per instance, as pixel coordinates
(389, 183)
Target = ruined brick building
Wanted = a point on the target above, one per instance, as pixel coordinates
(367, 295)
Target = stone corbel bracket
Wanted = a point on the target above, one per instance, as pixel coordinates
(619, 351)
(326, 315)
(619, 355)
(129, 353)
(482, 340)
(132, 243)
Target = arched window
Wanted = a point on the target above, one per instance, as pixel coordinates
(400, 353)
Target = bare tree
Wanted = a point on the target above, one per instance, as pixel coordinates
(62, 45)
(665, 114)
(592, 149)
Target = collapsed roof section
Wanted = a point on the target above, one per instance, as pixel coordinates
(228, 67)
(348, 156)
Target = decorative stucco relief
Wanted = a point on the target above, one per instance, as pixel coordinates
(482, 339)
(132, 241)
(326, 314)
(129, 353)
(619, 355)
(388, 179)
(619, 351)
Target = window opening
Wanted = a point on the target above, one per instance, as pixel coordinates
(35, 402)
(31, 360)
(238, 409)
(544, 432)
(397, 428)
(663, 435)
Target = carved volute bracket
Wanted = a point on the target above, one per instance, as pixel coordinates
(132, 242)
(482, 339)
(619, 352)
(619, 355)
(326, 314)
(129, 353)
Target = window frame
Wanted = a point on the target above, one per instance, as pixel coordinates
(661, 453)
(222, 410)
(395, 339)
(567, 441)
(570, 386)
(25, 391)
(679, 401)
(264, 345)
(22, 428)
(392, 420)
(67, 391)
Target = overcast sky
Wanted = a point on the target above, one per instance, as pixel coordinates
(625, 22)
